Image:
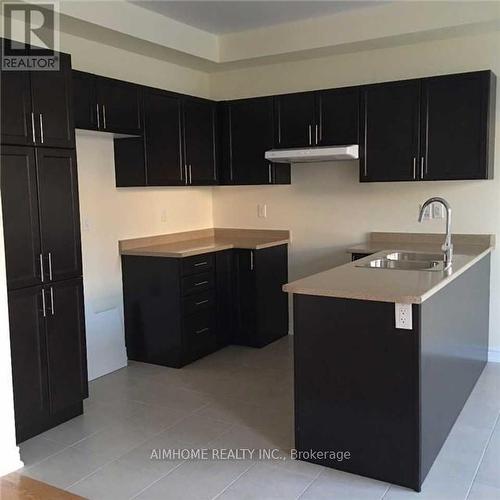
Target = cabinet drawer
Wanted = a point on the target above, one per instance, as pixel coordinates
(197, 263)
(199, 302)
(197, 283)
(199, 330)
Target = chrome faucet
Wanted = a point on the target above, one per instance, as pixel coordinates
(447, 246)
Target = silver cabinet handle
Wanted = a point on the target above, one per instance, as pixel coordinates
(251, 260)
(33, 126)
(185, 173)
(41, 269)
(104, 116)
(52, 300)
(310, 135)
(201, 283)
(201, 302)
(41, 127)
(98, 117)
(204, 263)
(422, 173)
(203, 330)
(414, 167)
(190, 174)
(270, 175)
(316, 134)
(50, 266)
(43, 304)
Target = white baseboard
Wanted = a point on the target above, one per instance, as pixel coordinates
(494, 356)
(10, 462)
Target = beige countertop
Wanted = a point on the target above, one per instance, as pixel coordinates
(391, 285)
(203, 241)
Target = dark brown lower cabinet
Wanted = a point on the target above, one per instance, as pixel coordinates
(180, 309)
(49, 367)
(261, 306)
(387, 396)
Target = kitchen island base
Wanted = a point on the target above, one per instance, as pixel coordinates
(388, 396)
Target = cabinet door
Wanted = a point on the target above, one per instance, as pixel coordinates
(84, 100)
(162, 123)
(248, 134)
(224, 279)
(29, 361)
(16, 122)
(59, 213)
(295, 116)
(338, 117)
(53, 106)
(119, 105)
(245, 298)
(389, 142)
(455, 128)
(199, 141)
(67, 365)
(20, 217)
(271, 270)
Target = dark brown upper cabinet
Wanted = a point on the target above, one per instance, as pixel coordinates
(84, 100)
(21, 224)
(59, 213)
(457, 132)
(438, 128)
(163, 139)
(36, 107)
(41, 215)
(247, 132)
(199, 133)
(389, 146)
(106, 104)
(296, 120)
(337, 117)
(319, 118)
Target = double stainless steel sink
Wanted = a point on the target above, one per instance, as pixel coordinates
(407, 261)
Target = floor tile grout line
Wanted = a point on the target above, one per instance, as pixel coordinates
(302, 493)
(251, 466)
(66, 447)
(129, 449)
(137, 446)
(386, 491)
(482, 456)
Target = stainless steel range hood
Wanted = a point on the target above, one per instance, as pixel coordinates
(310, 155)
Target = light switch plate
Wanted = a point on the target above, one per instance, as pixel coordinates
(404, 320)
(437, 211)
(262, 211)
(427, 212)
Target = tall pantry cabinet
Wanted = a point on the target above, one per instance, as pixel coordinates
(41, 224)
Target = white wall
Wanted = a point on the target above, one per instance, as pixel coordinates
(108, 215)
(326, 207)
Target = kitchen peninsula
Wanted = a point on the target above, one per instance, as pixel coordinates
(389, 395)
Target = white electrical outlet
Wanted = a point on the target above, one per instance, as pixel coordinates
(437, 211)
(403, 317)
(262, 211)
(163, 216)
(427, 212)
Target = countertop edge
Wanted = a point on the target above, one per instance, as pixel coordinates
(218, 247)
(401, 299)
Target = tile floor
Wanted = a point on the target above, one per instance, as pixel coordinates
(236, 398)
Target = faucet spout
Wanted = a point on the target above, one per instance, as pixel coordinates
(447, 245)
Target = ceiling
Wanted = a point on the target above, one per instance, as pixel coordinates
(233, 16)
